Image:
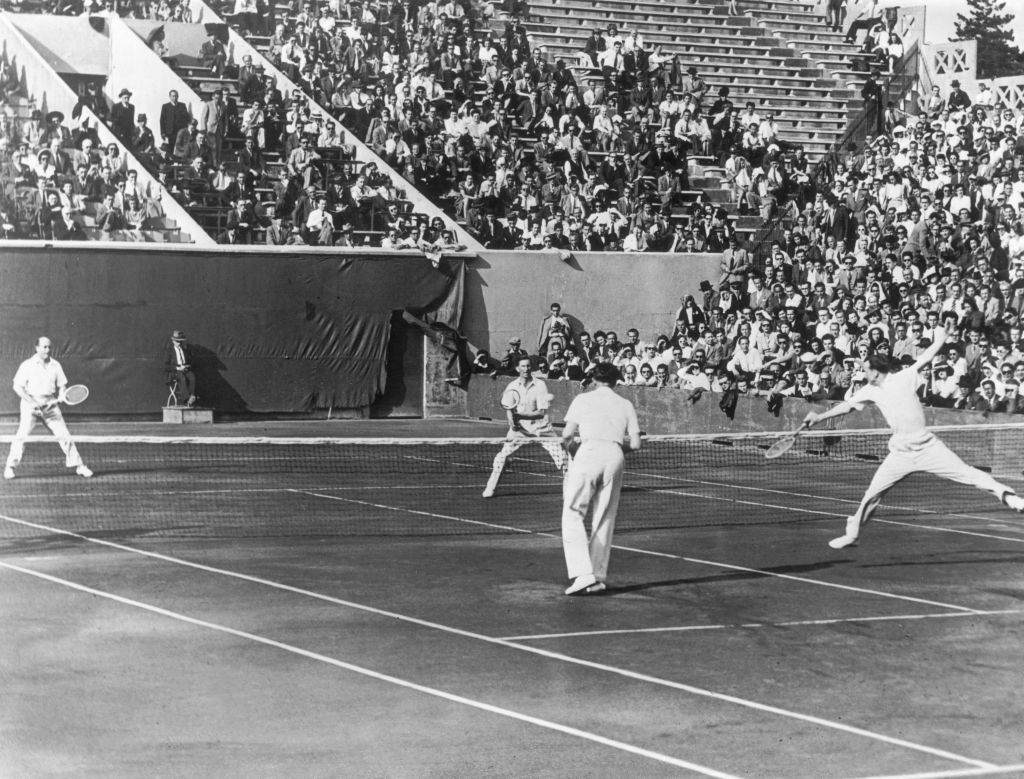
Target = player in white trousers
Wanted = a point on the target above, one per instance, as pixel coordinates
(40, 382)
(526, 423)
(912, 447)
(607, 427)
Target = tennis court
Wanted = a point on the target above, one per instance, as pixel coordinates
(282, 599)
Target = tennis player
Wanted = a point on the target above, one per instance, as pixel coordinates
(526, 422)
(912, 447)
(40, 382)
(607, 427)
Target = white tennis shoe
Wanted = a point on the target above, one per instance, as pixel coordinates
(84, 472)
(8, 472)
(488, 492)
(581, 584)
(1016, 502)
(849, 538)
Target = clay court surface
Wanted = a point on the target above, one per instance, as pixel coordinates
(358, 610)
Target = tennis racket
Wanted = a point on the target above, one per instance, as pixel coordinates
(783, 445)
(73, 395)
(510, 399)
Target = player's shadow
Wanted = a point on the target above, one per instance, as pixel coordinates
(730, 576)
(943, 561)
(212, 386)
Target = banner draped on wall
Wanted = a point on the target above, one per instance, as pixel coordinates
(271, 332)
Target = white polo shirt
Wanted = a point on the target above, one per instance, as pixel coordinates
(41, 380)
(896, 397)
(533, 399)
(603, 416)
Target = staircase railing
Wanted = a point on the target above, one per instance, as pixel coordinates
(895, 88)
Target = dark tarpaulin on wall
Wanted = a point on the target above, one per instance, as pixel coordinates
(271, 332)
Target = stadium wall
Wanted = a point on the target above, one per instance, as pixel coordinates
(274, 331)
(669, 411)
(509, 293)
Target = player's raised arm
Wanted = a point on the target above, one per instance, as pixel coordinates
(929, 354)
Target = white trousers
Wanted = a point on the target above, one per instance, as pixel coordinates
(516, 441)
(933, 457)
(591, 490)
(54, 422)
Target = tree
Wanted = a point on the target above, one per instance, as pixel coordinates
(989, 24)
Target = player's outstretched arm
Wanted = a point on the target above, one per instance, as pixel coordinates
(838, 410)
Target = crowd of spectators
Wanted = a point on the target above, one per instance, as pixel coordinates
(484, 124)
(920, 229)
(809, 342)
(52, 177)
(507, 139)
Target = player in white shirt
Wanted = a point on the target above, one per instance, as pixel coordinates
(912, 447)
(607, 426)
(40, 382)
(526, 422)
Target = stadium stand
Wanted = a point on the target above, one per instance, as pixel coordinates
(72, 183)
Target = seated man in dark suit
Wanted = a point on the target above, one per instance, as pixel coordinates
(66, 228)
(178, 364)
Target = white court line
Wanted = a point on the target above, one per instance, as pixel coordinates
(833, 499)
(667, 555)
(827, 499)
(433, 691)
(917, 526)
(735, 625)
(623, 672)
(958, 772)
(245, 490)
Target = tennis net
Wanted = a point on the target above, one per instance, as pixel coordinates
(262, 487)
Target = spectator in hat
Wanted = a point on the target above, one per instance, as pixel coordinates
(958, 100)
(694, 86)
(55, 130)
(122, 118)
(212, 53)
(513, 354)
(178, 366)
(143, 142)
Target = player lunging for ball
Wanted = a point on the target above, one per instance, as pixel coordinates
(527, 422)
(40, 382)
(912, 447)
(607, 426)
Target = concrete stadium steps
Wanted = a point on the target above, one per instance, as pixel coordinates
(781, 6)
(211, 211)
(778, 54)
(810, 113)
(643, 19)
